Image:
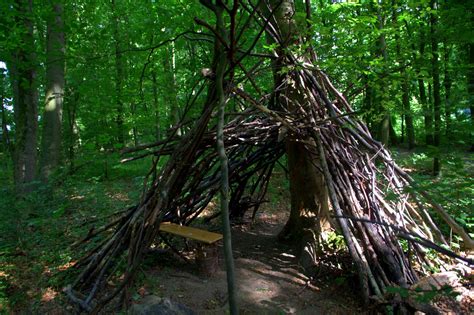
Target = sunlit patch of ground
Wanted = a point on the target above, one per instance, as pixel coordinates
(76, 197)
(48, 295)
(119, 196)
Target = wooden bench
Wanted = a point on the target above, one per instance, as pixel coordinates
(206, 251)
(199, 235)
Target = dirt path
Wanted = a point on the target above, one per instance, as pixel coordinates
(268, 279)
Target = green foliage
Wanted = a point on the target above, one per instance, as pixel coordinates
(335, 242)
(420, 295)
(39, 228)
(279, 186)
(454, 190)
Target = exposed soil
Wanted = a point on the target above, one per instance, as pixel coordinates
(269, 280)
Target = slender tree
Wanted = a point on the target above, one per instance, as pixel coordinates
(171, 95)
(471, 90)
(119, 75)
(220, 64)
(224, 189)
(381, 99)
(436, 85)
(424, 99)
(447, 82)
(407, 115)
(156, 106)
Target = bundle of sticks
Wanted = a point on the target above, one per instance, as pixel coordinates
(179, 193)
(377, 205)
(358, 170)
(362, 180)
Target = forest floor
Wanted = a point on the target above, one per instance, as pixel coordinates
(37, 256)
(37, 232)
(268, 278)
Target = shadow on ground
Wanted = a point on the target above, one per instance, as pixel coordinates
(268, 278)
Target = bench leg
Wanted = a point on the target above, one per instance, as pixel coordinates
(207, 259)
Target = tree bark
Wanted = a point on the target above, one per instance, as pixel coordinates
(224, 189)
(25, 94)
(5, 132)
(309, 214)
(71, 129)
(156, 106)
(384, 125)
(385, 130)
(119, 74)
(447, 82)
(53, 110)
(407, 115)
(219, 66)
(171, 95)
(392, 134)
(436, 87)
(367, 104)
(425, 104)
(407, 112)
(471, 91)
(428, 117)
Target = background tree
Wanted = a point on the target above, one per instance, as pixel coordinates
(471, 90)
(402, 58)
(5, 135)
(51, 141)
(119, 72)
(434, 34)
(25, 94)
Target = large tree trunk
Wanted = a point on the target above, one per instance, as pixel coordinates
(436, 87)
(309, 215)
(309, 198)
(52, 117)
(71, 128)
(25, 96)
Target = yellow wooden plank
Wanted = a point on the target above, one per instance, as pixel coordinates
(190, 232)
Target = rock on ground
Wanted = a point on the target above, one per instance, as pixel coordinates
(154, 305)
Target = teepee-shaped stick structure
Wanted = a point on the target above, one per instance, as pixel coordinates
(374, 201)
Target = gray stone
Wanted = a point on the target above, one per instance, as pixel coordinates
(154, 305)
(437, 281)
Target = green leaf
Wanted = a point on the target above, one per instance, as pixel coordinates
(59, 212)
